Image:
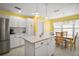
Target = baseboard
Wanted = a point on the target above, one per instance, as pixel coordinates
(16, 47)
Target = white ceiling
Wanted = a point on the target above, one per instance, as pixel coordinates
(65, 9)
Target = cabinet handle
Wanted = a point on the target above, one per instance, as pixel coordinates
(47, 43)
(41, 42)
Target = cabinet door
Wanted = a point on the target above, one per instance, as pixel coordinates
(17, 42)
(51, 46)
(11, 43)
(13, 22)
(14, 42)
(30, 27)
(41, 51)
(17, 22)
(21, 41)
(29, 48)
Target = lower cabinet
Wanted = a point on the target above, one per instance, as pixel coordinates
(51, 46)
(21, 41)
(41, 51)
(16, 41)
(42, 48)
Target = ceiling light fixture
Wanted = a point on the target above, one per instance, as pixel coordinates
(18, 8)
(19, 11)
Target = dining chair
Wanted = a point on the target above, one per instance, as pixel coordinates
(71, 41)
(64, 34)
(58, 34)
(58, 38)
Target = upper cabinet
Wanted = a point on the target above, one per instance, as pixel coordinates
(30, 26)
(17, 22)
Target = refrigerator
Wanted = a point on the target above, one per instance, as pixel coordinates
(4, 36)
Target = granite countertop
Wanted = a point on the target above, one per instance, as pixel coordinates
(32, 39)
(35, 39)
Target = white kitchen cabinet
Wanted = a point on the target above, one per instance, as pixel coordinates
(11, 43)
(30, 27)
(21, 23)
(41, 51)
(41, 48)
(15, 41)
(21, 41)
(29, 49)
(51, 46)
(46, 49)
(17, 22)
(13, 22)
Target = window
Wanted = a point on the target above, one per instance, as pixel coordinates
(76, 26)
(57, 27)
(68, 26)
(64, 26)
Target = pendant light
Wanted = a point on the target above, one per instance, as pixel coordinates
(36, 16)
(36, 10)
(46, 11)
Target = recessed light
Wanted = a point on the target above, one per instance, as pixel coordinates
(36, 13)
(19, 11)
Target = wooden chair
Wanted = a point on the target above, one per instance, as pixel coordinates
(64, 34)
(58, 34)
(71, 41)
(58, 39)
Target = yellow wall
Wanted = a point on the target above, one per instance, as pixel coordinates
(4, 12)
(47, 26)
(48, 23)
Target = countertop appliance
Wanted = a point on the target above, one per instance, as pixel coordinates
(12, 31)
(4, 36)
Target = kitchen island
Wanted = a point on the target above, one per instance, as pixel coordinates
(39, 46)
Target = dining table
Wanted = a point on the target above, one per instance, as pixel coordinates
(69, 37)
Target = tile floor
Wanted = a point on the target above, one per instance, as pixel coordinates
(57, 52)
(16, 52)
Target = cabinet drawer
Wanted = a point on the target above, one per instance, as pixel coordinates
(12, 36)
(41, 43)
